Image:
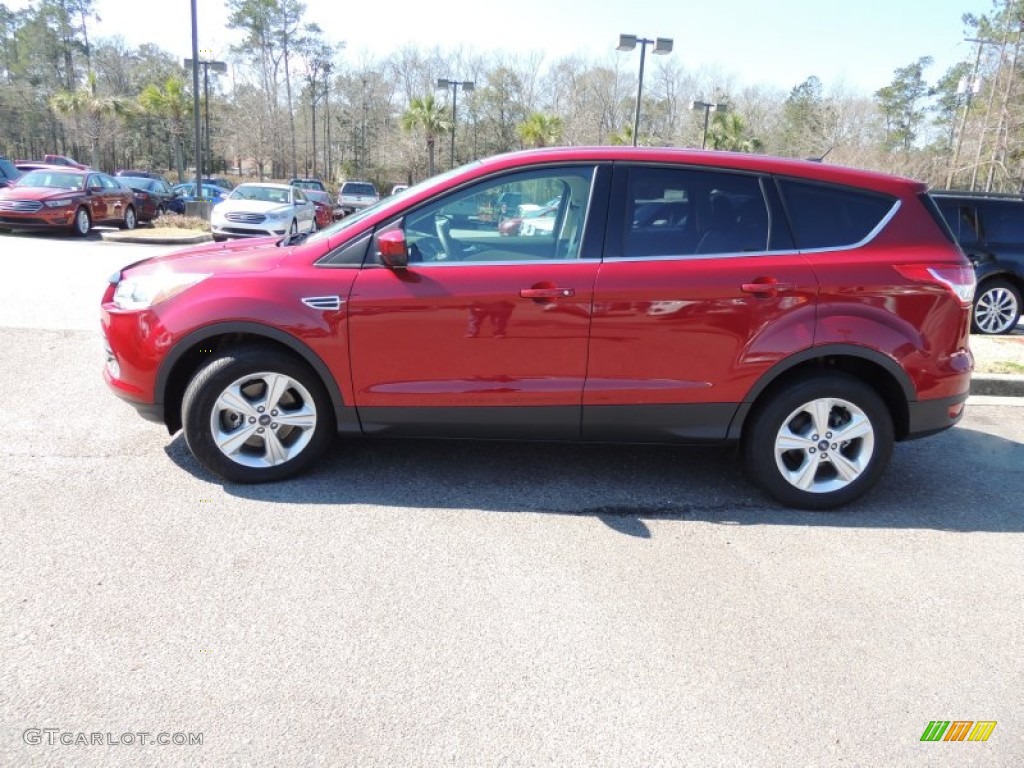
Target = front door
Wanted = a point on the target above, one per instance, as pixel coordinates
(485, 332)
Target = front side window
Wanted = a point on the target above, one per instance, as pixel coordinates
(691, 212)
(830, 216)
(532, 215)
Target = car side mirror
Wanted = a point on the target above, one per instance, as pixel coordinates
(95, 190)
(393, 250)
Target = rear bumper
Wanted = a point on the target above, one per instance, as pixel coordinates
(926, 417)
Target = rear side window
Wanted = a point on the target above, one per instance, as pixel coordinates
(693, 212)
(962, 219)
(828, 216)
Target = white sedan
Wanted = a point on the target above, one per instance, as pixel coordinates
(261, 210)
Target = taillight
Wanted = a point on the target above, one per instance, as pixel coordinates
(959, 280)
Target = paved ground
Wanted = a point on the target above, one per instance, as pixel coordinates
(422, 603)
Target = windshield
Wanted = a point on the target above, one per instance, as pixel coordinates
(262, 193)
(52, 180)
(137, 181)
(316, 185)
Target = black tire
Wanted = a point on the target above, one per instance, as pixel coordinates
(844, 404)
(997, 307)
(82, 222)
(130, 219)
(251, 373)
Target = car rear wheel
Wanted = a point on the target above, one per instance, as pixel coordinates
(82, 222)
(255, 415)
(819, 443)
(129, 219)
(996, 307)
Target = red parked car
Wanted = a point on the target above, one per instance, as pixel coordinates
(66, 198)
(810, 313)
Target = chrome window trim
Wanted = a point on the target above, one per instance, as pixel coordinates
(461, 263)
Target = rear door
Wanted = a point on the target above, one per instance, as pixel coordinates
(699, 294)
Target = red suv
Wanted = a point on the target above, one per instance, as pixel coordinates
(812, 314)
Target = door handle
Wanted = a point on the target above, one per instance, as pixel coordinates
(547, 293)
(766, 288)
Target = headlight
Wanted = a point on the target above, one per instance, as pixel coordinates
(143, 291)
(279, 213)
(59, 203)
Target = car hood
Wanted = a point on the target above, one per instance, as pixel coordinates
(254, 255)
(36, 193)
(249, 206)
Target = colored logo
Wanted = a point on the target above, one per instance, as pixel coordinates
(958, 730)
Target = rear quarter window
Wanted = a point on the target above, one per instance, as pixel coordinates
(1002, 221)
(830, 216)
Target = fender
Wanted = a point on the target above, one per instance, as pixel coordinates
(811, 353)
(346, 418)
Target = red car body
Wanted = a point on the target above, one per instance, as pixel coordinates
(621, 332)
(66, 198)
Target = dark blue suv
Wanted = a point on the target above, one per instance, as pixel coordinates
(990, 229)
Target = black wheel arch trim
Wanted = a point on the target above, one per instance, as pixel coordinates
(347, 420)
(770, 376)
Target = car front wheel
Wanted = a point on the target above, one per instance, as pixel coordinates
(82, 222)
(996, 307)
(256, 415)
(819, 443)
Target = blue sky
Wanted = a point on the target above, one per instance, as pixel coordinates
(780, 43)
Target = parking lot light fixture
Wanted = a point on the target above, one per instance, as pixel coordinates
(467, 86)
(662, 46)
(708, 107)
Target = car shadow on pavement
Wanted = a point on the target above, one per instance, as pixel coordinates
(962, 480)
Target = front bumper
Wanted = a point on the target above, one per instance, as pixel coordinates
(44, 219)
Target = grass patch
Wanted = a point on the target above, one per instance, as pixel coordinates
(175, 221)
(1006, 366)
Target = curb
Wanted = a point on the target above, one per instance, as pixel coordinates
(127, 237)
(998, 385)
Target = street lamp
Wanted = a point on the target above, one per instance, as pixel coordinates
(708, 108)
(467, 87)
(216, 66)
(662, 46)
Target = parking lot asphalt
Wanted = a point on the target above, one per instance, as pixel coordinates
(428, 602)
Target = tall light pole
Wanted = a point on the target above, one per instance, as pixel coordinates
(708, 108)
(467, 87)
(195, 102)
(216, 66)
(662, 46)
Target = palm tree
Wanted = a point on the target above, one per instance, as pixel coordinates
(172, 104)
(86, 102)
(540, 130)
(728, 131)
(426, 114)
(622, 138)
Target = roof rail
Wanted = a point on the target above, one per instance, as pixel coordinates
(976, 193)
